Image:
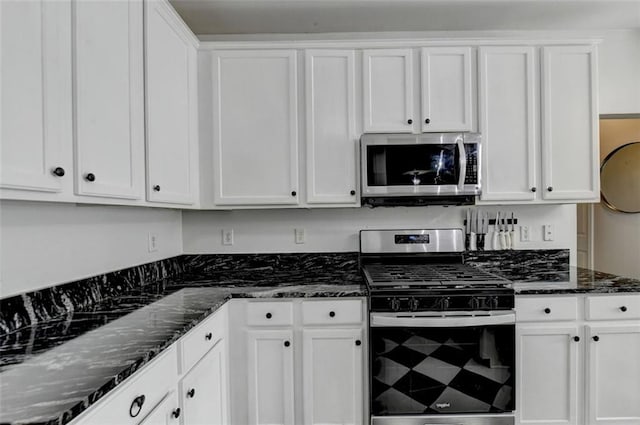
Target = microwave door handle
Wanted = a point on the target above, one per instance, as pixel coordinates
(462, 155)
(379, 321)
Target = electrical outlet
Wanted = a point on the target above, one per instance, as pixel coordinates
(227, 236)
(547, 232)
(525, 235)
(153, 242)
(299, 235)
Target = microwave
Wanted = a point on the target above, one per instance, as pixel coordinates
(420, 169)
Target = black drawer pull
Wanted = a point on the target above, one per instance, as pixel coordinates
(156, 188)
(90, 177)
(353, 193)
(358, 342)
(136, 406)
(269, 315)
(547, 310)
(576, 338)
(623, 308)
(176, 413)
(208, 336)
(287, 343)
(427, 120)
(332, 314)
(191, 393)
(58, 171)
(596, 338)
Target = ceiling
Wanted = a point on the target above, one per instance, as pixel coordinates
(326, 16)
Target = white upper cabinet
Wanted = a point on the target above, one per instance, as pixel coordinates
(447, 89)
(35, 90)
(570, 124)
(330, 123)
(388, 90)
(508, 124)
(171, 106)
(255, 127)
(108, 98)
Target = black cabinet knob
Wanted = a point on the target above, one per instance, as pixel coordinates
(409, 121)
(287, 343)
(176, 413)
(623, 308)
(156, 188)
(208, 336)
(90, 177)
(596, 338)
(427, 120)
(332, 314)
(576, 338)
(136, 406)
(533, 189)
(269, 315)
(294, 193)
(547, 310)
(191, 393)
(58, 171)
(550, 189)
(358, 342)
(353, 193)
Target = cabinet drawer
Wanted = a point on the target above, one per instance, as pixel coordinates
(203, 338)
(609, 307)
(335, 312)
(537, 309)
(270, 313)
(153, 382)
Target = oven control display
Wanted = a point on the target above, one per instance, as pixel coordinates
(407, 239)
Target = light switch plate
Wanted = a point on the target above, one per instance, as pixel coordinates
(227, 236)
(547, 232)
(525, 234)
(299, 236)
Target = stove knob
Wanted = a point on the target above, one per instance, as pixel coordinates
(413, 304)
(494, 303)
(395, 304)
(445, 303)
(475, 303)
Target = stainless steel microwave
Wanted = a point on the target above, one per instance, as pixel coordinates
(420, 169)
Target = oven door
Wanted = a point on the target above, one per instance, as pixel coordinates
(426, 165)
(453, 363)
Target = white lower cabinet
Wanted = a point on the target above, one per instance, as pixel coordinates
(203, 389)
(332, 376)
(270, 371)
(300, 368)
(574, 370)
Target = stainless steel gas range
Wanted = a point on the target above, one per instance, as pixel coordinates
(442, 333)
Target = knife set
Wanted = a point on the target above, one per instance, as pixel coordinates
(476, 229)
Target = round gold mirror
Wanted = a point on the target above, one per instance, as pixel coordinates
(620, 179)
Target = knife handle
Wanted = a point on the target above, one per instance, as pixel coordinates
(467, 242)
(507, 240)
(503, 240)
(480, 241)
(472, 242)
(494, 241)
(512, 237)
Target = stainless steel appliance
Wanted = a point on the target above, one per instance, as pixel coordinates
(442, 333)
(430, 168)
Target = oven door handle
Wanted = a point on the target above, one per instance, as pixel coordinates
(462, 157)
(393, 320)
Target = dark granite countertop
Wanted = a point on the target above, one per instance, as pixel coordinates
(577, 281)
(54, 369)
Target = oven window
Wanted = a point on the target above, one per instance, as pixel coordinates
(442, 370)
(412, 165)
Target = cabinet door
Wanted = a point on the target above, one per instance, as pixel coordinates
(613, 368)
(508, 123)
(447, 97)
(35, 120)
(204, 389)
(108, 98)
(547, 374)
(333, 376)
(270, 371)
(171, 76)
(570, 124)
(388, 90)
(255, 127)
(166, 413)
(331, 137)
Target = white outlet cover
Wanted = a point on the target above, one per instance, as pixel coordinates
(153, 242)
(299, 236)
(227, 236)
(547, 232)
(525, 234)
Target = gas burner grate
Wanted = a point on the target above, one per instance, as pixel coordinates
(428, 275)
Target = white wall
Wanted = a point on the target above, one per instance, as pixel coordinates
(619, 67)
(45, 244)
(617, 242)
(337, 229)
